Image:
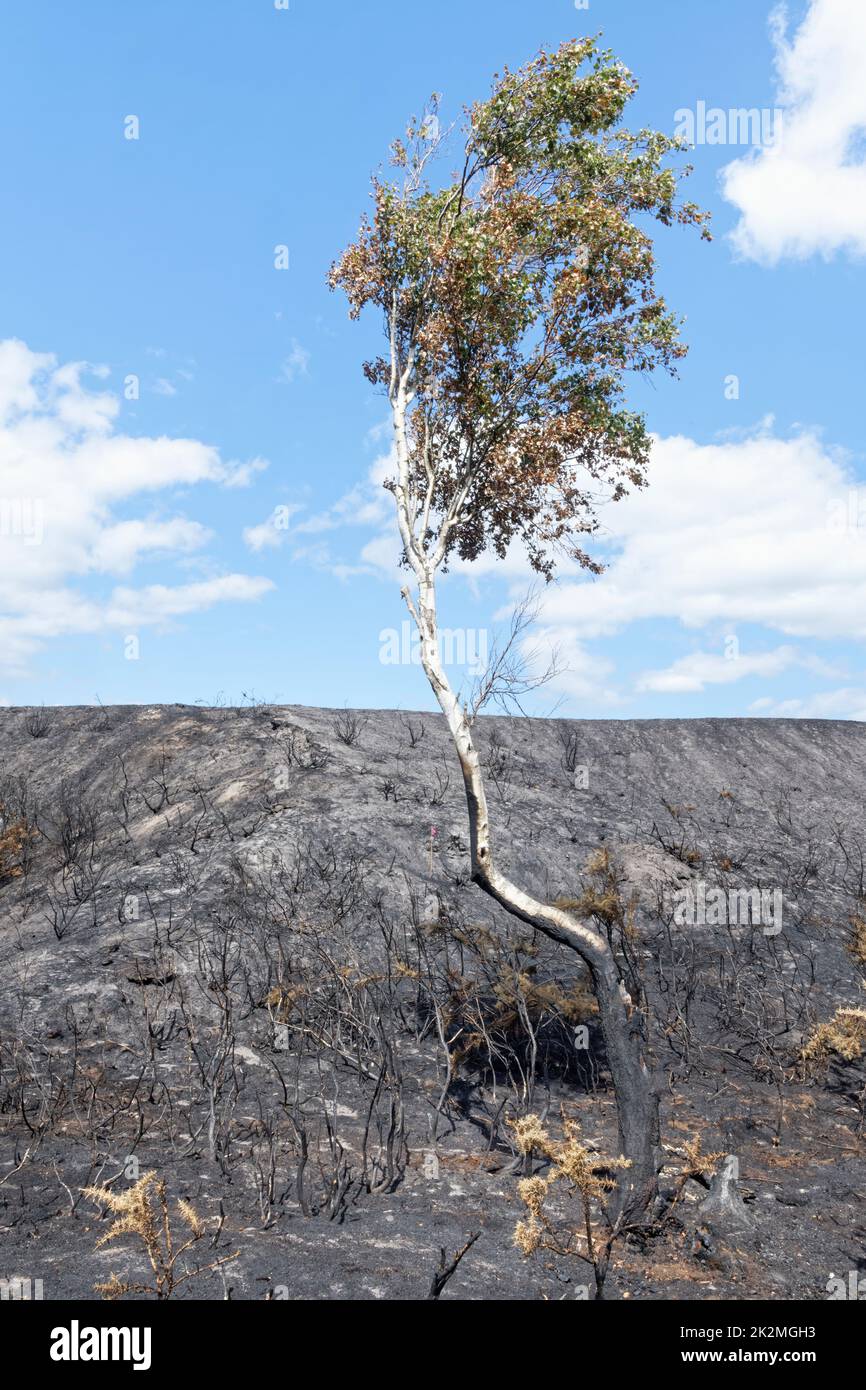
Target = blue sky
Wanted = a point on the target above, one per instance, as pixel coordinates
(139, 560)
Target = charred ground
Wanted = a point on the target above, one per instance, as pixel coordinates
(234, 952)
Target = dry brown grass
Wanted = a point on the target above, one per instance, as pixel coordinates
(693, 1163)
(143, 1211)
(844, 1036)
(857, 943)
(603, 899)
(676, 1270)
(15, 833)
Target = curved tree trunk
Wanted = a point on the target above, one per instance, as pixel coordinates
(622, 1024)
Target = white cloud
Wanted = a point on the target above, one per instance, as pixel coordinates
(18, 370)
(581, 674)
(700, 669)
(63, 471)
(846, 703)
(118, 549)
(367, 504)
(752, 531)
(296, 364)
(158, 603)
(272, 532)
(166, 384)
(241, 474)
(806, 193)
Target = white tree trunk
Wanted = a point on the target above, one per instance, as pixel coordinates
(622, 1024)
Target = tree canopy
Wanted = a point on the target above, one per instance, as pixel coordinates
(518, 293)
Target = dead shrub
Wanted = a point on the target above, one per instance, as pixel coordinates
(842, 1036)
(15, 835)
(586, 1176)
(143, 1211)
